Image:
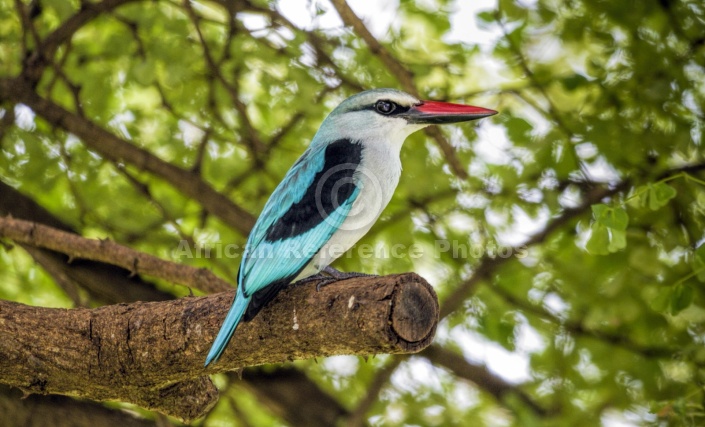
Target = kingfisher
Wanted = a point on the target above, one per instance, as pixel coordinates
(331, 196)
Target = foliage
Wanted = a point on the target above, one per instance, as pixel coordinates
(571, 238)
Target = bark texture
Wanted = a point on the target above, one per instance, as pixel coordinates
(152, 354)
(296, 398)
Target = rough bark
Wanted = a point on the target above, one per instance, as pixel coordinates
(110, 284)
(152, 354)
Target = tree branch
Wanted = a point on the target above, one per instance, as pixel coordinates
(406, 77)
(115, 149)
(109, 252)
(252, 140)
(478, 375)
(152, 354)
(488, 265)
(40, 58)
(552, 113)
(291, 395)
(579, 329)
(403, 74)
(318, 45)
(274, 388)
(104, 282)
(382, 376)
(60, 411)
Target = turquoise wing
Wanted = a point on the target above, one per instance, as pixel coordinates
(302, 214)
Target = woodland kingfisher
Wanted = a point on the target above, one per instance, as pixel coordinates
(331, 196)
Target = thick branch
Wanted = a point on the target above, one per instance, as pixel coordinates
(109, 252)
(115, 149)
(111, 284)
(152, 354)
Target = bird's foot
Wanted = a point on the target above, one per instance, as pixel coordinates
(342, 275)
(335, 275)
(315, 277)
(330, 275)
(325, 282)
(322, 279)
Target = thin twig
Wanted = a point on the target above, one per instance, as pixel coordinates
(382, 376)
(116, 149)
(405, 77)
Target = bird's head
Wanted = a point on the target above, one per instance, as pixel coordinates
(391, 115)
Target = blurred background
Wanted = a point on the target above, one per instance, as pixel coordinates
(563, 236)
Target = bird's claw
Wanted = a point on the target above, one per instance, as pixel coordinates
(315, 277)
(336, 275)
(322, 279)
(325, 282)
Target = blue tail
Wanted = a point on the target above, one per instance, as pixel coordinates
(226, 331)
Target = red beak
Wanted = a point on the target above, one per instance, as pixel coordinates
(436, 112)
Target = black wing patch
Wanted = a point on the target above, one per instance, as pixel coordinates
(330, 188)
(262, 297)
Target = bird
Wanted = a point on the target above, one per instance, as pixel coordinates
(331, 196)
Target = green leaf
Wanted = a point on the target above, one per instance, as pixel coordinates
(657, 196)
(681, 298)
(618, 240)
(598, 210)
(608, 230)
(599, 241)
(615, 218)
(488, 16)
(565, 158)
(699, 263)
(573, 82)
(501, 329)
(518, 129)
(143, 72)
(662, 300)
(663, 193)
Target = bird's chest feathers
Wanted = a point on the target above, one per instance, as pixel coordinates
(377, 177)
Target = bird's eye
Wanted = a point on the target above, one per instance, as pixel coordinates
(385, 107)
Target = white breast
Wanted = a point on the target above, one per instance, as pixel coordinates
(377, 176)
